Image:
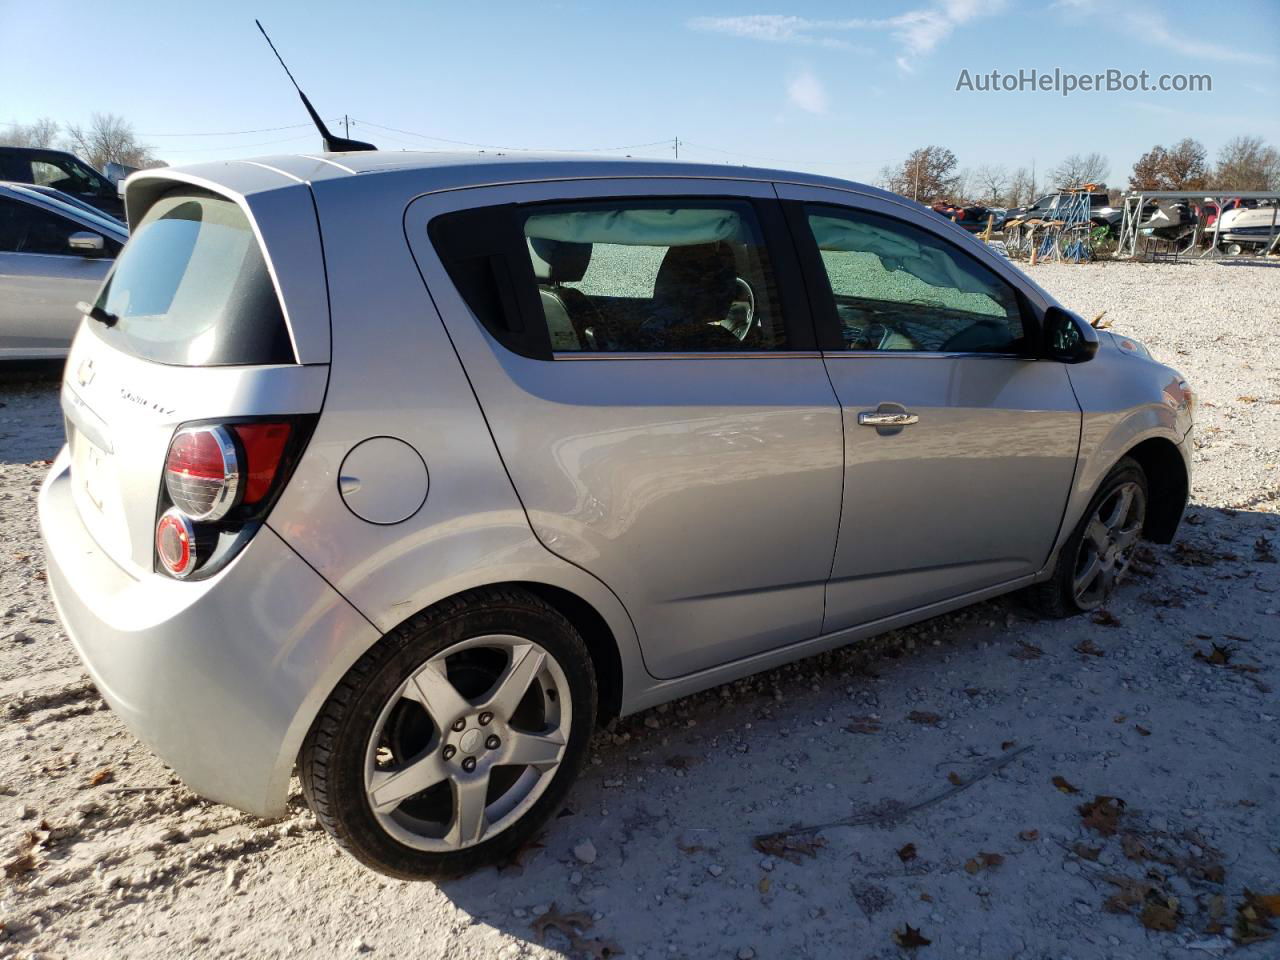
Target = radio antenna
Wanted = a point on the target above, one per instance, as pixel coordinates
(332, 144)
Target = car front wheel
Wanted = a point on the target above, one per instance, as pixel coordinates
(451, 742)
(1099, 551)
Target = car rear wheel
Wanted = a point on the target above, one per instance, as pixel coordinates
(450, 743)
(1097, 555)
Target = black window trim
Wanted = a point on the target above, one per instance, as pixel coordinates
(476, 249)
(822, 303)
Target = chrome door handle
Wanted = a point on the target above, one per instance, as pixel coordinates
(877, 419)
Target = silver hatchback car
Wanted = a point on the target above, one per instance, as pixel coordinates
(403, 471)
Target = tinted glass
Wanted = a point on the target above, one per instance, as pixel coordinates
(192, 288)
(63, 173)
(26, 228)
(654, 276)
(901, 288)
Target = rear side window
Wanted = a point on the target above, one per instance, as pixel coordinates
(191, 288)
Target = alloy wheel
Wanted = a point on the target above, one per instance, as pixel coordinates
(467, 744)
(1109, 541)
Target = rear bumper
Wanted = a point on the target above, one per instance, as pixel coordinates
(221, 678)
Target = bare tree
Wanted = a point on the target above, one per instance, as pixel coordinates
(1077, 170)
(108, 139)
(1247, 163)
(926, 175)
(993, 182)
(1021, 189)
(41, 133)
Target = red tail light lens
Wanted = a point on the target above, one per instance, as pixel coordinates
(264, 445)
(175, 543)
(202, 472)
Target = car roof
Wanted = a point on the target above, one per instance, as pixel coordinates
(25, 193)
(431, 170)
(37, 150)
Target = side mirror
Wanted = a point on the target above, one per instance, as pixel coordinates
(86, 244)
(1067, 337)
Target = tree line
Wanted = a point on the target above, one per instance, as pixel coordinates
(106, 138)
(930, 175)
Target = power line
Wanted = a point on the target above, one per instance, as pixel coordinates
(230, 133)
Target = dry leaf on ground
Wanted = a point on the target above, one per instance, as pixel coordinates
(572, 925)
(954, 779)
(1086, 852)
(863, 725)
(1026, 651)
(98, 778)
(1105, 618)
(924, 717)
(1102, 814)
(792, 847)
(910, 937)
(983, 861)
(1029, 835)
(907, 853)
(1062, 784)
(1219, 656)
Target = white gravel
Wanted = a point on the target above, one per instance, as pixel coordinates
(106, 855)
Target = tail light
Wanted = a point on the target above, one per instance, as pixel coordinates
(220, 481)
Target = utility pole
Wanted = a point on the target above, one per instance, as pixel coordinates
(915, 193)
(677, 146)
(346, 123)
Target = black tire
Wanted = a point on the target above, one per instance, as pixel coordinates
(331, 763)
(1056, 597)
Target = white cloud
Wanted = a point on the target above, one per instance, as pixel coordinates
(806, 91)
(1149, 25)
(918, 32)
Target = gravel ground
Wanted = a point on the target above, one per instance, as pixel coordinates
(1166, 704)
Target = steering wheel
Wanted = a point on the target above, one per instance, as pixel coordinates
(741, 315)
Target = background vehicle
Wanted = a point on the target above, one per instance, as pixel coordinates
(530, 443)
(54, 252)
(1101, 211)
(1247, 228)
(62, 171)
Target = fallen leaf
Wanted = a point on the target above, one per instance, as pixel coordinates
(98, 778)
(1134, 848)
(1102, 814)
(1086, 853)
(907, 853)
(863, 725)
(1008, 744)
(22, 863)
(983, 861)
(1062, 784)
(791, 847)
(1159, 916)
(1119, 718)
(1089, 649)
(1219, 656)
(1027, 651)
(765, 883)
(926, 898)
(1143, 731)
(572, 925)
(1029, 835)
(1269, 902)
(910, 937)
(954, 778)
(1105, 618)
(924, 717)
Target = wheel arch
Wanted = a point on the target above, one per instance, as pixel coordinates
(1167, 486)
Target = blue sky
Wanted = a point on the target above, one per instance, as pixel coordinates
(840, 89)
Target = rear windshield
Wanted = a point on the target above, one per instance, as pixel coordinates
(191, 288)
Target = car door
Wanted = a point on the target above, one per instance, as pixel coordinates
(41, 280)
(643, 354)
(960, 446)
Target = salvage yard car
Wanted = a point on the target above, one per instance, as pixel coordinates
(403, 471)
(54, 252)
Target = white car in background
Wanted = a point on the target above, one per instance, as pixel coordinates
(54, 252)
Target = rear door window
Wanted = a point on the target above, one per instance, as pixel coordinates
(192, 288)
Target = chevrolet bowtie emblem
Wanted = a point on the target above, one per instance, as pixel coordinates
(84, 375)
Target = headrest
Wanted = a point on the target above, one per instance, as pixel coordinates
(697, 280)
(558, 261)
